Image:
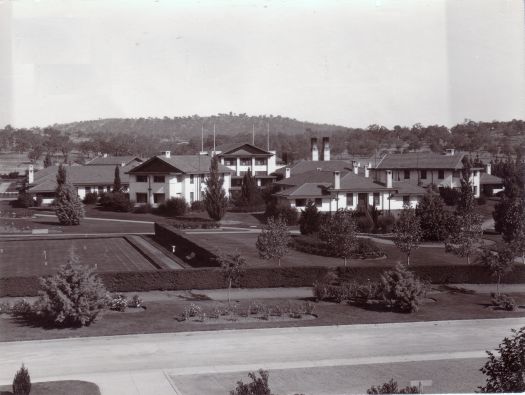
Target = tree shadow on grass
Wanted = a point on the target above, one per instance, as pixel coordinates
(36, 321)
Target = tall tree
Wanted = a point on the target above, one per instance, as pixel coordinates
(215, 199)
(434, 219)
(273, 240)
(248, 189)
(310, 220)
(117, 184)
(498, 263)
(339, 232)
(407, 231)
(68, 206)
(47, 160)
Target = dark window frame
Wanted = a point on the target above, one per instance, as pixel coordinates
(157, 178)
(423, 174)
(139, 199)
(406, 174)
(141, 178)
(441, 174)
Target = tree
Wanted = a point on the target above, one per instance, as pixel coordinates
(433, 217)
(117, 185)
(407, 231)
(232, 265)
(339, 232)
(498, 262)
(214, 195)
(273, 240)
(69, 208)
(48, 160)
(465, 236)
(258, 386)
(506, 372)
(74, 296)
(400, 289)
(391, 387)
(22, 382)
(249, 191)
(310, 219)
(514, 226)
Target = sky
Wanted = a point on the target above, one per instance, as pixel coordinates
(351, 63)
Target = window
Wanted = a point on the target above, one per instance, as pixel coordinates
(142, 178)
(142, 197)
(191, 178)
(406, 200)
(246, 162)
(475, 189)
(100, 190)
(318, 202)
(300, 202)
(423, 174)
(192, 197)
(260, 162)
(406, 174)
(158, 179)
(230, 162)
(376, 199)
(349, 199)
(158, 198)
(441, 174)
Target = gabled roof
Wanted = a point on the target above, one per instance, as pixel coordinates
(241, 149)
(420, 160)
(308, 165)
(353, 182)
(189, 164)
(113, 160)
(489, 179)
(312, 176)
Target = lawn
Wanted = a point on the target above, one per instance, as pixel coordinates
(245, 243)
(160, 316)
(66, 387)
(38, 256)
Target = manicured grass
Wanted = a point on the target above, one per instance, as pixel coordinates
(42, 256)
(245, 243)
(160, 316)
(66, 387)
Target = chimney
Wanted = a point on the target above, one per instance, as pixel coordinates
(367, 171)
(450, 152)
(355, 166)
(166, 154)
(287, 172)
(122, 164)
(337, 180)
(31, 174)
(488, 168)
(389, 178)
(326, 148)
(105, 155)
(315, 150)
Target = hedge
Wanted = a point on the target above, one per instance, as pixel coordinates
(365, 248)
(264, 277)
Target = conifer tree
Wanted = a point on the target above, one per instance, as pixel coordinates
(47, 160)
(215, 199)
(69, 208)
(248, 189)
(310, 220)
(117, 184)
(22, 382)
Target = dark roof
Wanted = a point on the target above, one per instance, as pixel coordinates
(420, 160)
(312, 176)
(306, 190)
(113, 160)
(354, 182)
(241, 149)
(308, 165)
(489, 179)
(189, 164)
(45, 179)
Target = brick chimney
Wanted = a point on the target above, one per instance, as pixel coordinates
(326, 148)
(31, 174)
(166, 154)
(355, 167)
(389, 178)
(367, 171)
(488, 168)
(337, 180)
(287, 172)
(315, 150)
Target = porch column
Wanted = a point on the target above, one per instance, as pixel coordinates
(237, 167)
(253, 166)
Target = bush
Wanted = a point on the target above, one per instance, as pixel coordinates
(283, 210)
(391, 387)
(118, 302)
(198, 205)
(22, 382)
(401, 290)
(310, 220)
(116, 201)
(449, 195)
(173, 207)
(385, 223)
(74, 296)
(143, 209)
(25, 200)
(258, 386)
(364, 249)
(21, 308)
(136, 301)
(504, 301)
(91, 198)
(364, 223)
(195, 225)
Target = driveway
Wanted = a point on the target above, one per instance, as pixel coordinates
(150, 363)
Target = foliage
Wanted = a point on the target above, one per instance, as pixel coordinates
(506, 372)
(22, 382)
(385, 223)
(48, 161)
(310, 220)
(504, 301)
(215, 199)
(407, 231)
(24, 200)
(250, 195)
(69, 209)
(498, 263)
(391, 387)
(91, 198)
(21, 308)
(232, 265)
(401, 289)
(258, 385)
(339, 232)
(282, 210)
(135, 301)
(513, 226)
(464, 235)
(449, 195)
(118, 302)
(272, 242)
(74, 296)
(433, 218)
(173, 207)
(117, 184)
(198, 205)
(116, 201)
(143, 209)
(364, 248)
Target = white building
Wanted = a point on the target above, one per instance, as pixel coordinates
(180, 176)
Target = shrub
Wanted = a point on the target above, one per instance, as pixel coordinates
(25, 200)
(385, 223)
(449, 195)
(143, 209)
(21, 308)
(118, 302)
(283, 210)
(192, 311)
(310, 220)
(481, 200)
(401, 290)
(321, 287)
(91, 198)
(504, 301)
(135, 301)
(5, 308)
(74, 296)
(364, 223)
(68, 207)
(258, 386)
(116, 201)
(22, 382)
(198, 205)
(173, 207)
(391, 387)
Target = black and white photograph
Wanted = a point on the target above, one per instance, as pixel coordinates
(262, 197)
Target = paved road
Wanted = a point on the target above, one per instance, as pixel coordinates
(142, 364)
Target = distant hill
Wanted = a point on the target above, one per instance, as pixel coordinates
(187, 127)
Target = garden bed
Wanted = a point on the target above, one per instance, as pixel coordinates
(365, 248)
